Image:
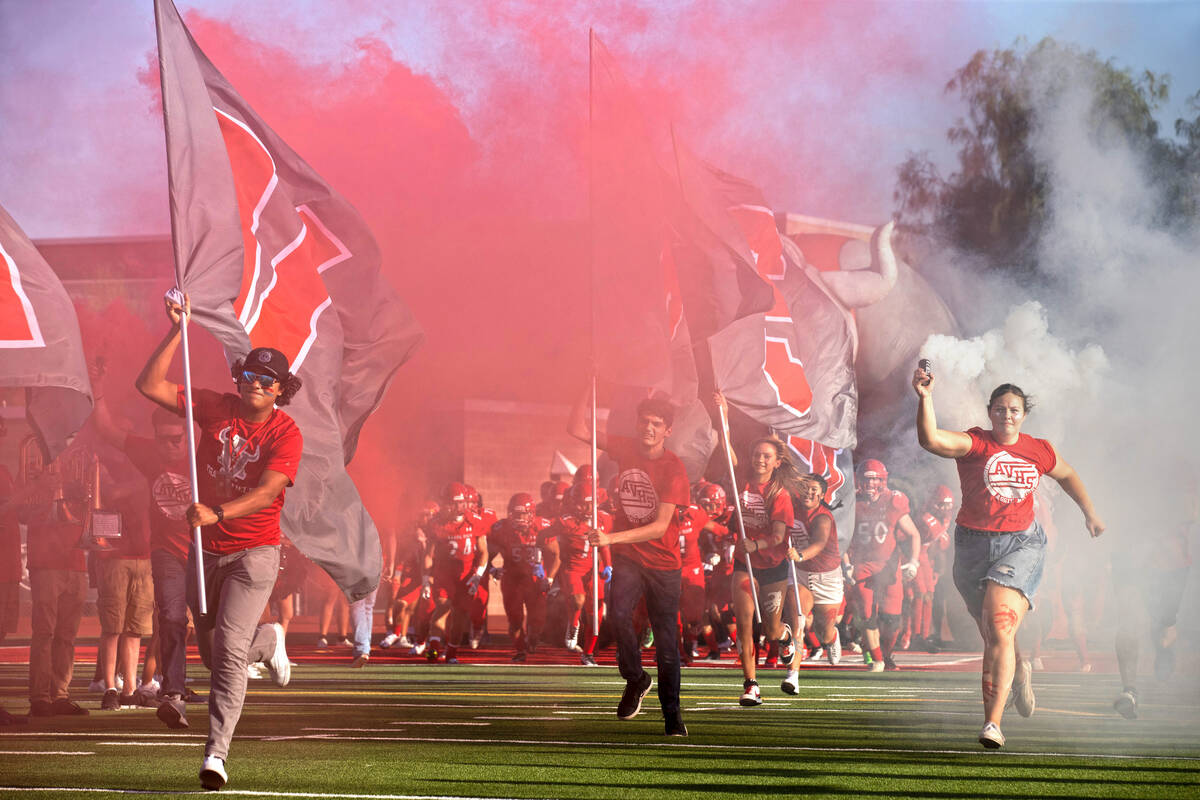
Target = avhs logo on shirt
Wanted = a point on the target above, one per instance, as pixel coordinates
(172, 494)
(638, 499)
(1009, 478)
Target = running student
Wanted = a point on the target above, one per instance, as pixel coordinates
(999, 548)
(651, 484)
(247, 454)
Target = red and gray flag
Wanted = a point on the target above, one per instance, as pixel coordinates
(40, 344)
(271, 255)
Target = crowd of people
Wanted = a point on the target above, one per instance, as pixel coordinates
(626, 554)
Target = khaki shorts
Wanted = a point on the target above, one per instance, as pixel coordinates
(126, 596)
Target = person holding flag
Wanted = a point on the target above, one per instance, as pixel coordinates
(247, 455)
(651, 483)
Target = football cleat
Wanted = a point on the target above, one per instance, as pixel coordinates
(751, 696)
(417, 649)
(875, 666)
(588, 660)
(389, 640)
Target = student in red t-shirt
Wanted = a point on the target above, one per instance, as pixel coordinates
(1000, 549)
(247, 453)
(651, 484)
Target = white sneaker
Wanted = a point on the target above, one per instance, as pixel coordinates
(791, 684)
(991, 737)
(97, 686)
(855, 647)
(834, 651)
(150, 688)
(1022, 689)
(389, 640)
(403, 642)
(473, 638)
(278, 664)
(253, 672)
(417, 649)
(572, 640)
(876, 666)
(751, 696)
(212, 773)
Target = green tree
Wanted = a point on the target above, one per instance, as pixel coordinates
(994, 204)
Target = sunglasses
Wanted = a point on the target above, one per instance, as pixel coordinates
(265, 381)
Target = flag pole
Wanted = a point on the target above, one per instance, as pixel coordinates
(592, 342)
(177, 296)
(737, 504)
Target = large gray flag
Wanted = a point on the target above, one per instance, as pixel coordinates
(272, 256)
(40, 345)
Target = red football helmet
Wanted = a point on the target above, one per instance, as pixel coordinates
(429, 510)
(712, 499)
(583, 475)
(872, 478)
(578, 501)
(940, 502)
(560, 490)
(473, 501)
(456, 500)
(520, 509)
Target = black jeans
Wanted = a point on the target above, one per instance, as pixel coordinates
(630, 582)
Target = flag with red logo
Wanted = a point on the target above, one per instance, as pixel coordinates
(40, 343)
(271, 255)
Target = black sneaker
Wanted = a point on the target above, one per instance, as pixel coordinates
(41, 708)
(173, 712)
(111, 700)
(675, 726)
(631, 698)
(519, 656)
(191, 697)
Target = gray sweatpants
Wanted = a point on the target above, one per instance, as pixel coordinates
(237, 588)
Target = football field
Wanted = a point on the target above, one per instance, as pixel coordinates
(409, 730)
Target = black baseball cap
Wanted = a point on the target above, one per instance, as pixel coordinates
(268, 361)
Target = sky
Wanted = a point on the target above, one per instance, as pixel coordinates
(817, 102)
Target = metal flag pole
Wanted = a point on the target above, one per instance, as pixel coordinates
(737, 504)
(176, 296)
(595, 521)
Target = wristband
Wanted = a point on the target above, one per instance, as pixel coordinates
(220, 512)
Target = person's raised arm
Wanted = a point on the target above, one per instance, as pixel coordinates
(102, 418)
(947, 444)
(152, 382)
(578, 425)
(1072, 484)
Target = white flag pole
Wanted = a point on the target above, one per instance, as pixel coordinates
(737, 504)
(176, 296)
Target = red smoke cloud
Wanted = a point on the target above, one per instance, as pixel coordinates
(474, 180)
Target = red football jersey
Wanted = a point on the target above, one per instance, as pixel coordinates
(829, 557)
(998, 481)
(876, 531)
(455, 544)
(692, 520)
(642, 485)
(573, 546)
(758, 520)
(520, 546)
(231, 456)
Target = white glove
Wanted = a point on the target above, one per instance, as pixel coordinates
(473, 584)
(908, 570)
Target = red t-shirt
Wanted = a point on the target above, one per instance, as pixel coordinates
(691, 521)
(829, 558)
(135, 529)
(10, 533)
(231, 456)
(519, 545)
(642, 484)
(876, 531)
(998, 481)
(759, 519)
(574, 549)
(170, 496)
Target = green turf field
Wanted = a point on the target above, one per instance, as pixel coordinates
(552, 732)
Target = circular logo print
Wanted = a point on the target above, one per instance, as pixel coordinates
(638, 499)
(172, 494)
(264, 357)
(1009, 478)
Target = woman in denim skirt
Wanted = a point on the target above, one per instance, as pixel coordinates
(999, 548)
